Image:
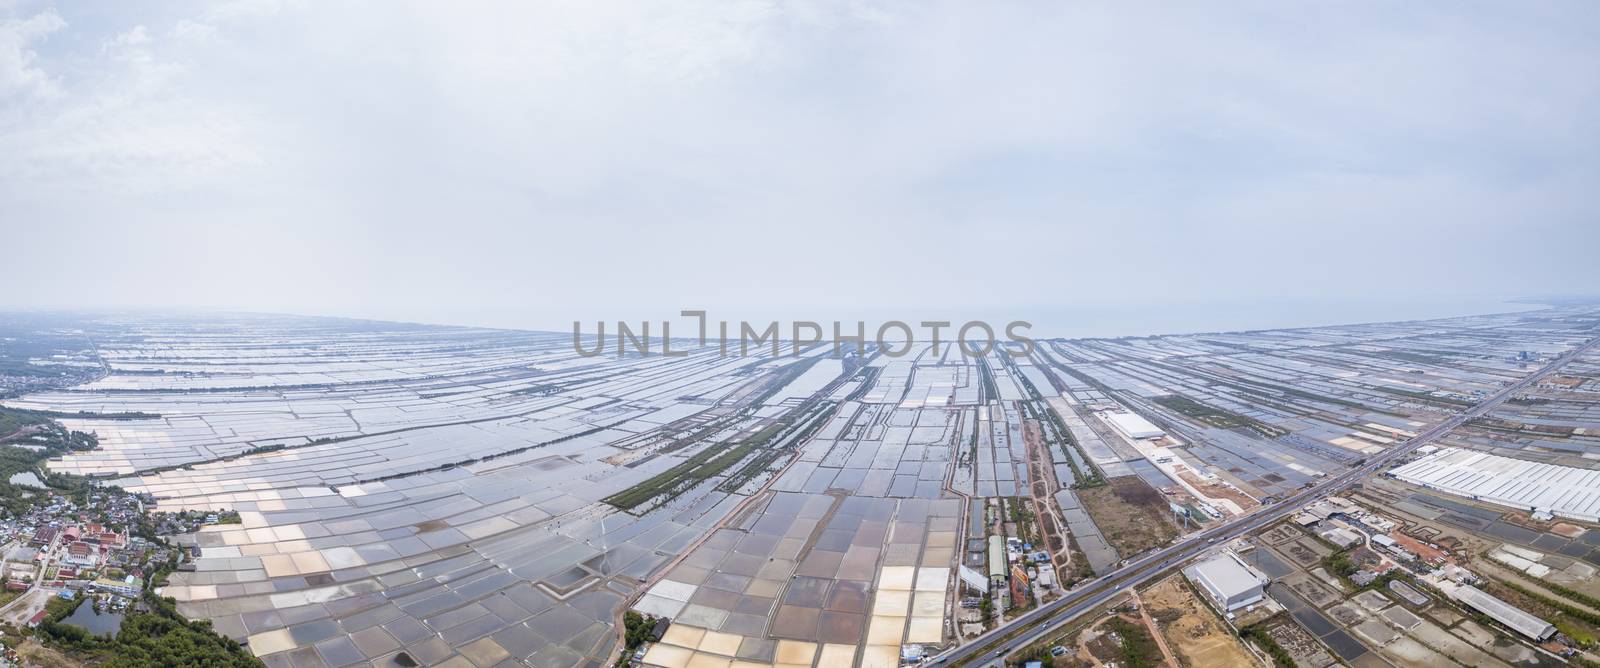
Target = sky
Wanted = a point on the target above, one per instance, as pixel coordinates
(529, 164)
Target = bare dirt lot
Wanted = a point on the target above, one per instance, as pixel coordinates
(1305, 551)
(1300, 645)
(1191, 629)
(1103, 645)
(1217, 491)
(1313, 591)
(1133, 516)
(29, 605)
(34, 654)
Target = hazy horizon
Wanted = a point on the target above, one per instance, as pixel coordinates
(1158, 320)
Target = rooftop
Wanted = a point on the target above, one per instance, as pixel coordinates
(1562, 490)
(1504, 612)
(1226, 578)
(1133, 426)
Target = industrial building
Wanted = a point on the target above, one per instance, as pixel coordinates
(997, 560)
(1229, 582)
(973, 579)
(1505, 613)
(1133, 426)
(1546, 489)
(1340, 536)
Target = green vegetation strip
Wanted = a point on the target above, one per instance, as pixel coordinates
(990, 389)
(1419, 358)
(1586, 599)
(27, 416)
(702, 465)
(711, 461)
(1217, 417)
(1565, 608)
(1257, 634)
(1424, 396)
(1064, 440)
(1063, 437)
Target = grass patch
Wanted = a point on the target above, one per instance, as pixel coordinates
(712, 461)
(692, 471)
(1139, 648)
(1419, 358)
(1425, 397)
(1562, 607)
(1258, 635)
(1217, 417)
(1132, 515)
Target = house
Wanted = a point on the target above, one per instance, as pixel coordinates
(119, 587)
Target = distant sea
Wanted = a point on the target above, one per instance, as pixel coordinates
(1153, 319)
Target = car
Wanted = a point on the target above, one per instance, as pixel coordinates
(1058, 650)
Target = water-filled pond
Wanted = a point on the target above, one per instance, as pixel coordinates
(96, 623)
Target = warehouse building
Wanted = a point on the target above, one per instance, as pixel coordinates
(997, 560)
(1340, 536)
(1513, 617)
(1549, 490)
(1133, 426)
(1229, 582)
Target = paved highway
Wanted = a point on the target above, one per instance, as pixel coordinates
(1042, 620)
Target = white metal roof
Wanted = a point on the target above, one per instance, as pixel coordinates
(1564, 490)
(1133, 426)
(1225, 576)
(1504, 612)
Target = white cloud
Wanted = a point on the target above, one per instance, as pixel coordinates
(123, 122)
(425, 156)
(194, 31)
(20, 74)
